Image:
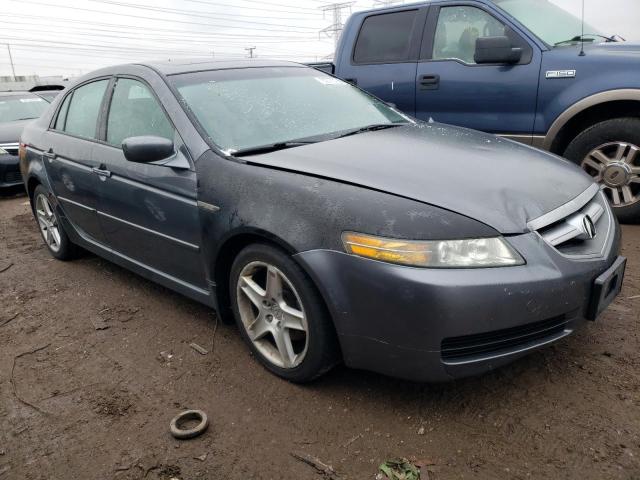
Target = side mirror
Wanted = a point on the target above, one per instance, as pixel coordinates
(147, 149)
(496, 50)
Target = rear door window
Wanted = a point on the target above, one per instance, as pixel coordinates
(385, 38)
(135, 112)
(84, 109)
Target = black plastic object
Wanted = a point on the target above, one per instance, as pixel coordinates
(496, 50)
(147, 149)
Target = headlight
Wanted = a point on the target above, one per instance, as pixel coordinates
(472, 253)
(3, 151)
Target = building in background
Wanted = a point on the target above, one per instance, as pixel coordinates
(26, 82)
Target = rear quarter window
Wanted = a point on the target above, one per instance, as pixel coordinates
(385, 38)
(62, 114)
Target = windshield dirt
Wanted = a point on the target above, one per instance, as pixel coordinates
(243, 109)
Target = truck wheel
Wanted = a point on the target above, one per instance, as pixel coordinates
(609, 151)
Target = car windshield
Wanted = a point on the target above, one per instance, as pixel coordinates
(21, 107)
(551, 23)
(242, 109)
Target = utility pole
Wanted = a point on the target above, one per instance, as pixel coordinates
(335, 29)
(250, 50)
(13, 70)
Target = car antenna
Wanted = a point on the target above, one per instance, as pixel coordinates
(582, 54)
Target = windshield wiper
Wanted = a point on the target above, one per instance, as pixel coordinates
(579, 38)
(274, 147)
(371, 128)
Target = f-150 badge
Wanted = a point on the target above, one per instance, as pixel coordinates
(561, 73)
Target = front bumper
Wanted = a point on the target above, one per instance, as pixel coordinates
(440, 324)
(10, 171)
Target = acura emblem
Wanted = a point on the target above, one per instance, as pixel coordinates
(588, 227)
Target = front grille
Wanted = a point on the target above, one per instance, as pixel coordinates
(570, 235)
(12, 177)
(490, 344)
(11, 148)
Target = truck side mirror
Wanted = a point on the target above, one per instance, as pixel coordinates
(496, 50)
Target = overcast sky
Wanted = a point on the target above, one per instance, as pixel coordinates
(70, 37)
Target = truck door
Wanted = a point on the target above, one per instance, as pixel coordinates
(452, 88)
(385, 54)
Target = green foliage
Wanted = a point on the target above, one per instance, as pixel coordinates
(400, 469)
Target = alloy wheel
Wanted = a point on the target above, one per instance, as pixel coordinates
(616, 165)
(272, 314)
(48, 222)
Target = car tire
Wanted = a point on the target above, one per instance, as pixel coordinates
(610, 152)
(312, 348)
(52, 231)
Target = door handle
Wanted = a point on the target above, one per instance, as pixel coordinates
(429, 82)
(102, 173)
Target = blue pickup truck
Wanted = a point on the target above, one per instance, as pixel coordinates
(522, 69)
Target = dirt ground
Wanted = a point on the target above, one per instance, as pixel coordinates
(95, 361)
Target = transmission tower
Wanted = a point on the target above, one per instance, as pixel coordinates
(336, 10)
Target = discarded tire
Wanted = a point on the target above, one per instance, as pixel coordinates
(184, 433)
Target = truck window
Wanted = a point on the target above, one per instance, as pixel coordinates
(385, 38)
(458, 29)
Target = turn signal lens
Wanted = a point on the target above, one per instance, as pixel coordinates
(22, 151)
(468, 253)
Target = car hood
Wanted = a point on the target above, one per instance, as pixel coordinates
(10, 131)
(499, 182)
(613, 48)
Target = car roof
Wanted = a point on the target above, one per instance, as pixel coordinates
(404, 6)
(201, 64)
(186, 65)
(16, 93)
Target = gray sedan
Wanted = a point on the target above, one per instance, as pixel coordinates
(329, 225)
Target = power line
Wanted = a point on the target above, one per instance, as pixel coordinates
(387, 3)
(176, 11)
(185, 22)
(159, 31)
(97, 34)
(220, 4)
(135, 56)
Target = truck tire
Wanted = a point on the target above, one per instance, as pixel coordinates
(609, 151)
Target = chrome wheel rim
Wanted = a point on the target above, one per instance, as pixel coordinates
(616, 166)
(272, 314)
(48, 222)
